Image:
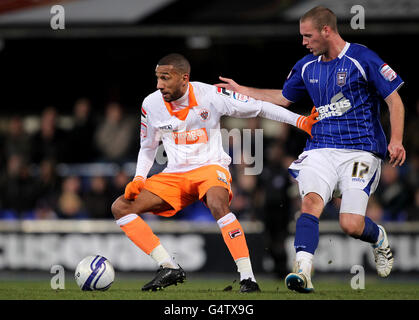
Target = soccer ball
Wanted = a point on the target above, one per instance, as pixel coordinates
(94, 273)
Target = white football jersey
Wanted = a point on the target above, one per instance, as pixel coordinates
(193, 140)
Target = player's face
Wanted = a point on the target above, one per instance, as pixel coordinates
(313, 39)
(171, 83)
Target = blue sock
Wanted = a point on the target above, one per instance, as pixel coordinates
(371, 231)
(306, 233)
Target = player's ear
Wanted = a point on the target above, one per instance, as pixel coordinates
(185, 77)
(326, 31)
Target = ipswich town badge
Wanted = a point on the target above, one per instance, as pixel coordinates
(341, 78)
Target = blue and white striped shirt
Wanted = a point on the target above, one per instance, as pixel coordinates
(346, 92)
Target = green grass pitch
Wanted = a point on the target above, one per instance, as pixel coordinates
(199, 288)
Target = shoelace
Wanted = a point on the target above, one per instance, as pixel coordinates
(382, 255)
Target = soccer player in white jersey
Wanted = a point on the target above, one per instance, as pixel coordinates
(343, 158)
(185, 116)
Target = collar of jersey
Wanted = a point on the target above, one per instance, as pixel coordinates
(182, 114)
(340, 56)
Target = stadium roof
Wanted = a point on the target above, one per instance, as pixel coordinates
(85, 18)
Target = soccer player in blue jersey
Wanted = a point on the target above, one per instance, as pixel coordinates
(346, 82)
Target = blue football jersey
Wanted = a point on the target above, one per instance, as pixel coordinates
(346, 92)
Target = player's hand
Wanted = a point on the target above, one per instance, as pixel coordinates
(230, 84)
(397, 153)
(306, 123)
(133, 189)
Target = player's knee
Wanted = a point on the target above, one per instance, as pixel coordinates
(119, 208)
(217, 202)
(351, 227)
(313, 204)
(218, 209)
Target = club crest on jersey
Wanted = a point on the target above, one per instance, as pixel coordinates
(341, 78)
(387, 72)
(204, 114)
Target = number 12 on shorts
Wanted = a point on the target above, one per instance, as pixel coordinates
(360, 169)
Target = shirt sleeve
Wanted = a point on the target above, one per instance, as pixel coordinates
(234, 104)
(294, 87)
(150, 139)
(381, 75)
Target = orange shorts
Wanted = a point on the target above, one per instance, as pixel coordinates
(184, 188)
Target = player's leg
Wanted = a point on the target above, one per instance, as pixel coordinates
(359, 178)
(353, 222)
(316, 182)
(305, 243)
(126, 213)
(217, 200)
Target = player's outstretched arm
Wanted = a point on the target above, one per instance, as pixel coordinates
(145, 161)
(149, 143)
(242, 106)
(395, 148)
(270, 95)
(280, 114)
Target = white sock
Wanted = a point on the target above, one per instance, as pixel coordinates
(245, 268)
(126, 219)
(160, 255)
(226, 220)
(305, 261)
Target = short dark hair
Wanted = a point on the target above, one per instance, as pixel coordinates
(176, 60)
(321, 16)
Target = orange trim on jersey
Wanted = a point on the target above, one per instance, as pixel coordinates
(182, 114)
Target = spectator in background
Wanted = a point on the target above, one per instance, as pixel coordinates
(374, 209)
(49, 141)
(413, 207)
(98, 199)
(47, 184)
(44, 210)
(412, 174)
(118, 184)
(392, 193)
(16, 140)
(114, 136)
(411, 136)
(244, 201)
(80, 137)
(69, 203)
(17, 189)
(276, 213)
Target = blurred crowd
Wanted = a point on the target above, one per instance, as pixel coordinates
(32, 187)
